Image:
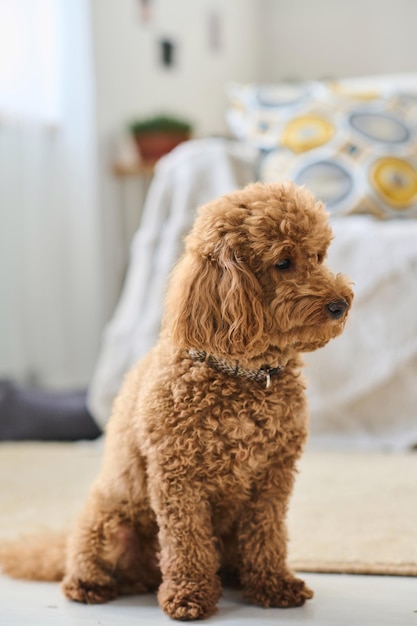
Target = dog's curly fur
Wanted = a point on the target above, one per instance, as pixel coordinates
(199, 463)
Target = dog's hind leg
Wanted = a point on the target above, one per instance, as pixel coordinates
(113, 548)
(111, 551)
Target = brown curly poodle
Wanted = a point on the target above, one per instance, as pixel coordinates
(201, 449)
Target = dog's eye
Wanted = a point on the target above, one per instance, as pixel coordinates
(285, 264)
(320, 257)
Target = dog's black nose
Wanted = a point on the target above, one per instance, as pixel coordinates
(336, 309)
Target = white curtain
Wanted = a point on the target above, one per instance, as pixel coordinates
(50, 289)
(29, 59)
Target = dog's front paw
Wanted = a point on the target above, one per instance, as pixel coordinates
(89, 592)
(189, 600)
(284, 592)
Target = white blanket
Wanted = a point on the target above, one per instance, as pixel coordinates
(194, 173)
(362, 386)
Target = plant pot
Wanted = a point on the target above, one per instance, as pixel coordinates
(153, 145)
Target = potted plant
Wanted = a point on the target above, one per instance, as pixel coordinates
(158, 135)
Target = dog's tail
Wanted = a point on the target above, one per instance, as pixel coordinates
(35, 557)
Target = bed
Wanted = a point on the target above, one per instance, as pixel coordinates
(355, 144)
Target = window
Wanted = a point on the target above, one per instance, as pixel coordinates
(29, 60)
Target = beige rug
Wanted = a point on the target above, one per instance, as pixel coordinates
(354, 513)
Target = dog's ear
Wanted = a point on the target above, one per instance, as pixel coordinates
(214, 304)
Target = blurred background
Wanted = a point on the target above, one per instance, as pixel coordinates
(74, 76)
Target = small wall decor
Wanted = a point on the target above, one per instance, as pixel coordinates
(167, 52)
(214, 31)
(145, 8)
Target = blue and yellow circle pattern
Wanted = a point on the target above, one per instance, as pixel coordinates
(395, 182)
(306, 133)
(355, 148)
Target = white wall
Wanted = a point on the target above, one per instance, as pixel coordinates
(336, 38)
(130, 80)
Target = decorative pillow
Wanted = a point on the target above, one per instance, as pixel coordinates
(353, 143)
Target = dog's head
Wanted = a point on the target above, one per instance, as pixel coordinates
(254, 279)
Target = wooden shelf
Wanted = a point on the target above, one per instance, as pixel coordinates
(138, 170)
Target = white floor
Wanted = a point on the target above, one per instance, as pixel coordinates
(339, 601)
